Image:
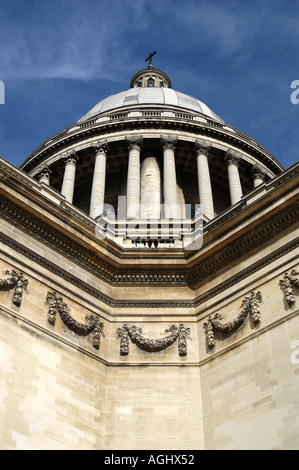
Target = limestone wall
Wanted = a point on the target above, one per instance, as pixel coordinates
(58, 392)
(91, 359)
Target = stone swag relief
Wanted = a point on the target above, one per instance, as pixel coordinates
(250, 306)
(93, 325)
(16, 282)
(288, 284)
(135, 334)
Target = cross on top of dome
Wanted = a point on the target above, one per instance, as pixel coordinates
(150, 63)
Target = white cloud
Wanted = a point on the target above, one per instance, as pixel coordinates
(97, 38)
(233, 30)
(80, 40)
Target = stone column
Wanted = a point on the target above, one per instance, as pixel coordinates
(169, 177)
(150, 188)
(235, 188)
(258, 175)
(68, 183)
(133, 180)
(98, 183)
(44, 175)
(202, 151)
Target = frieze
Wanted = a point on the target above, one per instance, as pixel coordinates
(93, 325)
(150, 345)
(250, 306)
(289, 283)
(17, 282)
(150, 303)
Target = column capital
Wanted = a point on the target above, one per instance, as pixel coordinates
(134, 141)
(232, 158)
(202, 148)
(169, 141)
(44, 172)
(101, 147)
(257, 172)
(72, 157)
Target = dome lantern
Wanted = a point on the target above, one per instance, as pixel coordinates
(150, 77)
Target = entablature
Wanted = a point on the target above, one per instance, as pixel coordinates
(144, 119)
(44, 213)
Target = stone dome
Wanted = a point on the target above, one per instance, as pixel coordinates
(151, 96)
(149, 150)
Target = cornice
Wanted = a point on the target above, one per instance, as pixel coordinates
(85, 288)
(121, 121)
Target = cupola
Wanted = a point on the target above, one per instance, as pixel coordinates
(150, 77)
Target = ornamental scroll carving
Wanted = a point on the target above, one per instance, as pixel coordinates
(250, 305)
(153, 345)
(289, 282)
(93, 325)
(17, 282)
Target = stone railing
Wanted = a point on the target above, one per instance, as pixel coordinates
(142, 234)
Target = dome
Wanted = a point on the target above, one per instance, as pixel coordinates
(151, 96)
(148, 149)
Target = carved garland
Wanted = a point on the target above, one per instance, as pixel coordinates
(56, 304)
(153, 345)
(17, 282)
(249, 306)
(289, 282)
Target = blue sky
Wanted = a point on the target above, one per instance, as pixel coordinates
(60, 57)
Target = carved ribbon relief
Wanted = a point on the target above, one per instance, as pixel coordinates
(250, 305)
(289, 282)
(93, 325)
(17, 282)
(153, 345)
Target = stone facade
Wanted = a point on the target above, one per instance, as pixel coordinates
(107, 345)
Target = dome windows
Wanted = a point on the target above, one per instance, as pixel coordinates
(150, 78)
(150, 82)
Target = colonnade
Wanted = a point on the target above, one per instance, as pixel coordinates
(144, 182)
